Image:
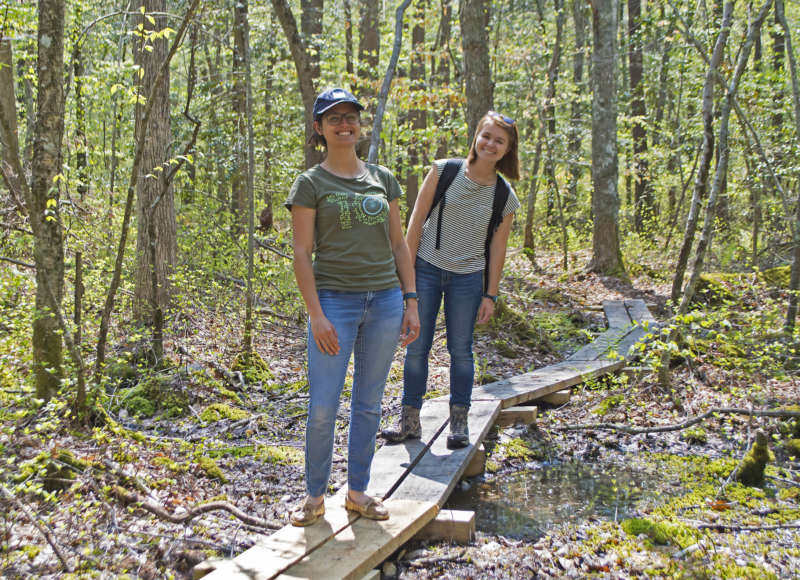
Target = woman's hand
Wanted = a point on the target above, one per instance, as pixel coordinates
(485, 311)
(325, 335)
(410, 327)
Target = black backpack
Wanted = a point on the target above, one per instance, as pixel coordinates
(501, 192)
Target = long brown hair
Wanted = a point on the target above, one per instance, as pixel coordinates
(509, 164)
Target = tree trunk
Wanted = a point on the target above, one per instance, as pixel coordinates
(794, 279)
(247, 346)
(478, 85)
(606, 254)
(239, 102)
(348, 38)
(576, 108)
(549, 110)
(155, 163)
(387, 82)
(369, 46)
(48, 244)
(701, 180)
(311, 27)
(644, 203)
(305, 77)
(417, 116)
(440, 74)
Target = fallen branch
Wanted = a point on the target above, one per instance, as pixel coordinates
(18, 263)
(680, 426)
(130, 497)
(435, 560)
(732, 528)
(48, 535)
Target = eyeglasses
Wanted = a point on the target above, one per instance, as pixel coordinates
(336, 119)
(502, 117)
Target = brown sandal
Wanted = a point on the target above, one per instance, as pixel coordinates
(307, 513)
(372, 510)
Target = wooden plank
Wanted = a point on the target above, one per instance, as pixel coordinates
(517, 416)
(392, 461)
(558, 398)
(625, 346)
(602, 345)
(616, 314)
(450, 525)
(477, 464)
(357, 549)
(639, 312)
(437, 473)
(287, 546)
(530, 386)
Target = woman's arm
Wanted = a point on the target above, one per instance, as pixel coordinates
(497, 257)
(405, 271)
(322, 329)
(420, 213)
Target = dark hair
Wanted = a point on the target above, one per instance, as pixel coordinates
(509, 164)
(317, 139)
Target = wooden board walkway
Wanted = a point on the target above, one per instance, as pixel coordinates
(415, 478)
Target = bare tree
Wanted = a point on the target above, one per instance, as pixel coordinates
(305, 72)
(417, 117)
(606, 256)
(478, 85)
(150, 52)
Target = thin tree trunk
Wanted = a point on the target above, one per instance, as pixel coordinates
(530, 238)
(387, 83)
(701, 180)
(348, 38)
(239, 102)
(417, 117)
(794, 279)
(576, 107)
(369, 46)
(248, 320)
(549, 108)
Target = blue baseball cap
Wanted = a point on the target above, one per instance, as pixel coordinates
(332, 97)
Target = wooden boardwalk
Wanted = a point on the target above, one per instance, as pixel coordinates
(415, 478)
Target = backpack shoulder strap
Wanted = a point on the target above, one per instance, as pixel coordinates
(501, 192)
(449, 172)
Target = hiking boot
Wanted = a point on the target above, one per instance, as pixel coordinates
(459, 431)
(409, 427)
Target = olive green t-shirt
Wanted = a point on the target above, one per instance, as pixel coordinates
(352, 250)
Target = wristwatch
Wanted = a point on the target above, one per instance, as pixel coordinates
(409, 295)
(491, 297)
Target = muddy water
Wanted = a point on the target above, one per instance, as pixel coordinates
(527, 503)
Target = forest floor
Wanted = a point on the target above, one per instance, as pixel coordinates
(156, 491)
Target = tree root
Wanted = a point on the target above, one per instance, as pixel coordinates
(131, 497)
(680, 426)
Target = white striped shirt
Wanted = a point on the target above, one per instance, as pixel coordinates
(467, 211)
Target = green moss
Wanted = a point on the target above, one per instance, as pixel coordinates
(793, 448)
(211, 469)
(219, 411)
(173, 466)
(253, 367)
(504, 349)
(154, 393)
(777, 277)
(228, 394)
(516, 449)
(658, 532)
(695, 435)
(712, 288)
(280, 455)
(751, 469)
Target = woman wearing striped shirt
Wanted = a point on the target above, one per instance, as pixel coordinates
(452, 265)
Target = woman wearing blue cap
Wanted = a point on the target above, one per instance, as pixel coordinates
(359, 291)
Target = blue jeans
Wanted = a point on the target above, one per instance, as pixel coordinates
(368, 326)
(462, 298)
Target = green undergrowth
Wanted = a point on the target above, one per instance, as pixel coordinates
(270, 454)
(220, 411)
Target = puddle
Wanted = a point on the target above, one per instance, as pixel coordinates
(526, 504)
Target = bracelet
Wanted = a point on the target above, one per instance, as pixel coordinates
(409, 295)
(491, 297)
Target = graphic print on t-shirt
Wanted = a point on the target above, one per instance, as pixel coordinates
(366, 209)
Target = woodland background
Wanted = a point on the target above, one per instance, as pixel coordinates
(147, 148)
